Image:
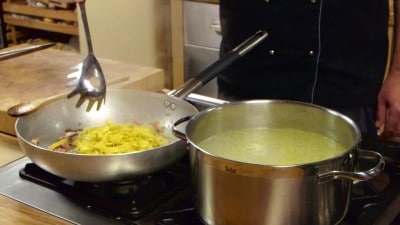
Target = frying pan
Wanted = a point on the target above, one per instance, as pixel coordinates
(121, 106)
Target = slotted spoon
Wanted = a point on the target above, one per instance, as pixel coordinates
(89, 78)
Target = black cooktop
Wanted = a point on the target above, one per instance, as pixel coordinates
(125, 201)
(142, 197)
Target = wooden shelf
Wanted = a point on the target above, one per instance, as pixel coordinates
(59, 28)
(18, 14)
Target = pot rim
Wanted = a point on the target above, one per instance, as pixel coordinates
(258, 101)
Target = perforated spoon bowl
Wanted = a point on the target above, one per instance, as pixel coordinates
(89, 79)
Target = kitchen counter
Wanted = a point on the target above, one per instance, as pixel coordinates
(43, 74)
(9, 149)
(14, 212)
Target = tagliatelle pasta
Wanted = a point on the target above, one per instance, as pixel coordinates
(111, 138)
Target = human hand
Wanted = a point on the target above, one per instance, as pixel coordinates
(388, 111)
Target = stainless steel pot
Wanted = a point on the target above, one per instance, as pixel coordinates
(235, 193)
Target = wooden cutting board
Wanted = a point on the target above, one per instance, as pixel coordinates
(44, 73)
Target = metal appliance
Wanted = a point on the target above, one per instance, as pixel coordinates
(201, 41)
(166, 198)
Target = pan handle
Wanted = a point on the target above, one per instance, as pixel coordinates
(205, 100)
(356, 176)
(199, 99)
(25, 50)
(176, 131)
(220, 65)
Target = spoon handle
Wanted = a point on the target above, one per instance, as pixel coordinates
(26, 108)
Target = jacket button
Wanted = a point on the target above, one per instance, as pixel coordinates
(272, 52)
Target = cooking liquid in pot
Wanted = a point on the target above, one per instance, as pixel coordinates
(272, 146)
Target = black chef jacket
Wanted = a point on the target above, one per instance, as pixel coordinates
(328, 52)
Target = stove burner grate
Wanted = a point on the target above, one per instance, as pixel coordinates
(124, 201)
(371, 198)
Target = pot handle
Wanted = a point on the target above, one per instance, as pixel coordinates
(356, 176)
(220, 65)
(176, 131)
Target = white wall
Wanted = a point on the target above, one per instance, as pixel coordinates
(124, 30)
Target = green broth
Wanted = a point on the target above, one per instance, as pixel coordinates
(272, 146)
